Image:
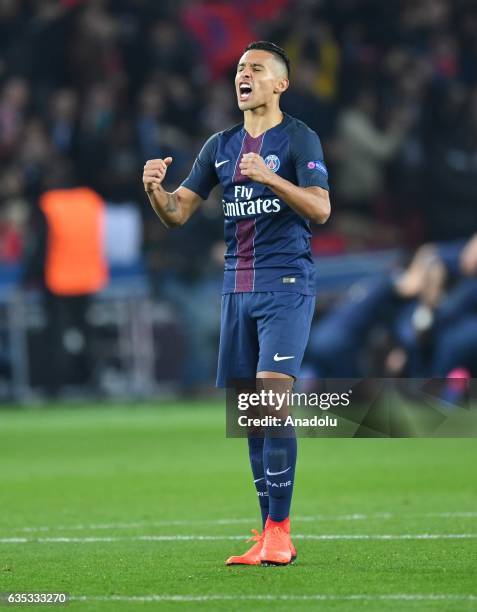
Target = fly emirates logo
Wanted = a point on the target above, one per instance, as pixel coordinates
(244, 205)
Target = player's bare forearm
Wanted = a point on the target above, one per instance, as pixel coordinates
(313, 203)
(166, 206)
(173, 209)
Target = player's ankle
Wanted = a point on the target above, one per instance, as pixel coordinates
(283, 524)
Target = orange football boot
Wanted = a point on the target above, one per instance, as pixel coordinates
(252, 556)
(277, 547)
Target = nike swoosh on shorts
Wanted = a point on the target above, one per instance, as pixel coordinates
(277, 358)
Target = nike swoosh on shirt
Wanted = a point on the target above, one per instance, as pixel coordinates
(277, 473)
(259, 479)
(218, 164)
(277, 358)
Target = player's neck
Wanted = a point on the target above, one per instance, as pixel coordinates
(259, 120)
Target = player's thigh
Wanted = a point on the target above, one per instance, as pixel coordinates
(238, 347)
(283, 326)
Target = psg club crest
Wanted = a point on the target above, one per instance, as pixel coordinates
(272, 162)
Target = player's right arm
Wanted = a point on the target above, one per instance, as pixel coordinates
(175, 208)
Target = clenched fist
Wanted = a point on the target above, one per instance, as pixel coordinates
(253, 166)
(154, 173)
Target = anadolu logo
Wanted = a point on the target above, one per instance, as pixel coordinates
(272, 162)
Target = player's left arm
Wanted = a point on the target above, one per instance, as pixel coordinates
(310, 198)
(313, 203)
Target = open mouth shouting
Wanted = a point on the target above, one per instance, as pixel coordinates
(245, 91)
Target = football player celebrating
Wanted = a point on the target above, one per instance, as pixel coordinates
(274, 183)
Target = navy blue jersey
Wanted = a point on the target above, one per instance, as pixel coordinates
(268, 243)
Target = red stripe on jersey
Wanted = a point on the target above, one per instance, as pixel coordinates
(244, 272)
(245, 230)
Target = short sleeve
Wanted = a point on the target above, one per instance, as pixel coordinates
(307, 153)
(203, 177)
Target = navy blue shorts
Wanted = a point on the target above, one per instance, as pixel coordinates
(263, 332)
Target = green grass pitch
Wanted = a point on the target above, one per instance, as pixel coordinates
(134, 508)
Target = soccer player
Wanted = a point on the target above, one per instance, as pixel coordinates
(274, 183)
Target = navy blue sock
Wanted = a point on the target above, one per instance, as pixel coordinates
(279, 460)
(255, 450)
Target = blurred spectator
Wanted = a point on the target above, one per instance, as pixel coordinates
(13, 215)
(339, 341)
(69, 252)
(437, 332)
(150, 112)
(364, 150)
(315, 56)
(452, 175)
(421, 322)
(302, 101)
(63, 120)
(13, 103)
(170, 50)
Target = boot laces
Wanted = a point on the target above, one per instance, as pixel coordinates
(256, 537)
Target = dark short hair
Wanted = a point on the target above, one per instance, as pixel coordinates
(265, 45)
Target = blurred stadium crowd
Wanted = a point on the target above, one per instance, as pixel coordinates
(391, 88)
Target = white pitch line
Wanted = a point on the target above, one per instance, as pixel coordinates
(235, 521)
(452, 514)
(316, 597)
(218, 538)
(136, 525)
